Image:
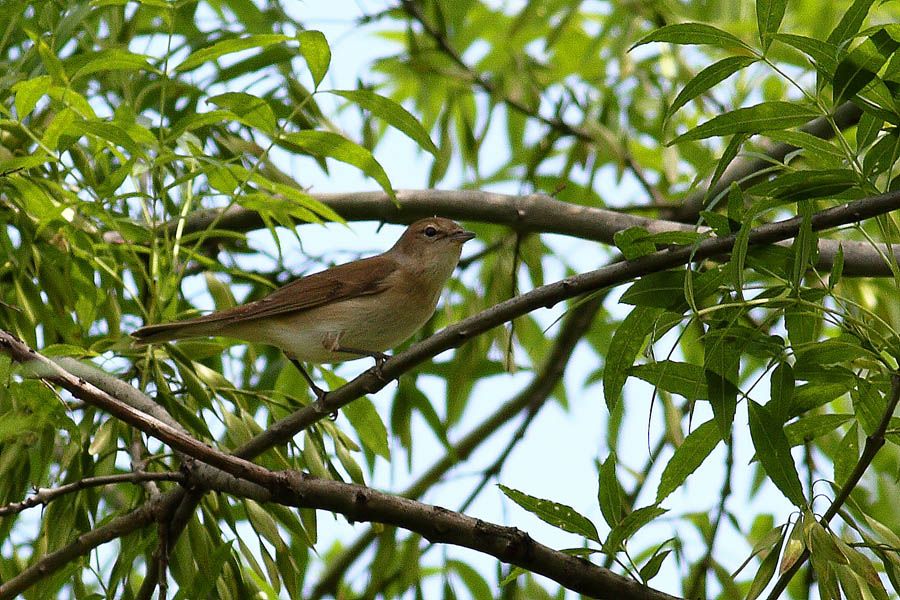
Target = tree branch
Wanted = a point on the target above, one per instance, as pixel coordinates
(44, 496)
(874, 442)
(293, 488)
(547, 296)
(536, 213)
(532, 397)
(118, 527)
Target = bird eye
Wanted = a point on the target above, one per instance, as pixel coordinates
(430, 231)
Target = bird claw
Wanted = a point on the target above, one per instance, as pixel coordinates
(380, 358)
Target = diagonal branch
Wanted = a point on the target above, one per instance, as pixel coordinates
(874, 442)
(548, 295)
(573, 328)
(44, 496)
(292, 488)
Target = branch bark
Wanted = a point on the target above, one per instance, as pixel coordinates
(548, 295)
(537, 213)
(293, 488)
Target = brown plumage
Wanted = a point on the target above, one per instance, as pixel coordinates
(359, 308)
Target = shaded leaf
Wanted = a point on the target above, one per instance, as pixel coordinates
(774, 453)
(687, 458)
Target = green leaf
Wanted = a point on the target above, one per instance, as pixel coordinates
(472, 579)
(629, 526)
(774, 453)
(112, 59)
(861, 65)
(823, 54)
(802, 185)
(809, 428)
(623, 349)
(781, 385)
(680, 378)
(664, 289)
(814, 148)
(841, 350)
(559, 515)
(837, 268)
(692, 34)
(633, 242)
(393, 114)
(851, 21)
(763, 575)
(708, 77)
(250, 110)
(847, 455)
(610, 495)
(753, 119)
(769, 14)
(28, 92)
(368, 425)
(315, 50)
(332, 145)
(652, 566)
(229, 46)
(687, 458)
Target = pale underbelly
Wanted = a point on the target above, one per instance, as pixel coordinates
(363, 324)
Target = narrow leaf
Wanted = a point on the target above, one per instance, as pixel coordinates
(610, 495)
(332, 145)
(687, 458)
(752, 119)
(368, 425)
(393, 114)
(708, 77)
(851, 21)
(559, 515)
(692, 34)
(680, 378)
(769, 14)
(774, 453)
(623, 349)
(229, 46)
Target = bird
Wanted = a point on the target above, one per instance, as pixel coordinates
(357, 309)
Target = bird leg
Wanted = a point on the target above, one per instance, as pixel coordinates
(378, 357)
(319, 392)
(333, 343)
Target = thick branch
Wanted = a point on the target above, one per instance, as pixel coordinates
(573, 327)
(547, 296)
(531, 213)
(358, 503)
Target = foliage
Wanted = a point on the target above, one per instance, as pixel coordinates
(144, 141)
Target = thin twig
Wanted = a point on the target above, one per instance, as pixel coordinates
(44, 496)
(873, 444)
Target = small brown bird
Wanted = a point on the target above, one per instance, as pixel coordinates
(350, 311)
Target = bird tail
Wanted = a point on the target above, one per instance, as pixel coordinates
(165, 332)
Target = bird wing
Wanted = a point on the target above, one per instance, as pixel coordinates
(365, 277)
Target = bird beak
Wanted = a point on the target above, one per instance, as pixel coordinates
(462, 235)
